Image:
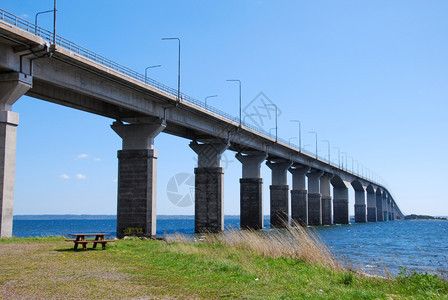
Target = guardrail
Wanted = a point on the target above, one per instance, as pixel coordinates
(86, 53)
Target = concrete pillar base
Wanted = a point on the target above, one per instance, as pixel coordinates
(209, 196)
(315, 209)
(371, 214)
(299, 207)
(326, 210)
(136, 209)
(341, 214)
(13, 85)
(251, 203)
(360, 213)
(279, 206)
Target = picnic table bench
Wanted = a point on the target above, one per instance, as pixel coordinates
(80, 238)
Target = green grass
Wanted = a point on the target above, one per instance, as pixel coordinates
(134, 268)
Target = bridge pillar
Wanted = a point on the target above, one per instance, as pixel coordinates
(279, 192)
(371, 205)
(392, 214)
(251, 191)
(327, 217)
(209, 187)
(340, 205)
(137, 177)
(384, 205)
(299, 195)
(379, 205)
(360, 205)
(314, 198)
(12, 87)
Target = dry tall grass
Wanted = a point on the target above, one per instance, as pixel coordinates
(294, 242)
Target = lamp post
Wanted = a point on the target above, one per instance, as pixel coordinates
(328, 142)
(178, 68)
(316, 140)
(276, 124)
(345, 154)
(339, 156)
(146, 71)
(352, 163)
(239, 82)
(208, 97)
(300, 134)
(35, 18)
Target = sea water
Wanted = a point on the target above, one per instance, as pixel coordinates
(377, 248)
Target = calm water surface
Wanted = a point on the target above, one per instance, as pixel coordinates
(375, 248)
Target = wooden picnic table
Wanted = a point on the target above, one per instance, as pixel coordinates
(80, 238)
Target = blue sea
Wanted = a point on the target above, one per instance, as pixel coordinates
(375, 248)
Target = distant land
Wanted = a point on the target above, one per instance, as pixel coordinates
(98, 217)
(422, 217)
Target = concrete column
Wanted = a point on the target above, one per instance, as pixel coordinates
(251, 191)
(384, 205)
(209, 187)
(379, 206)
(137, 178)
(371, 205)
(12, 87)
(327, 217)
(314, 198)
(340, 205)
(360, 205)
(279, 190)
(392, 217)
(299, 195)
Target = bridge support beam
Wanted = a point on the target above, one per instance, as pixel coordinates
(137, 178)
(340, 205)
(209, 187)
(251, 191)
(12, 87)
(360, 206)
(379, 205)
(325, 189)
(279, 192)
(385, 205)
(299, 196)
(314, 198)
(371, 205)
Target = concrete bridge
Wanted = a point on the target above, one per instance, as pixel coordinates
(35, 64)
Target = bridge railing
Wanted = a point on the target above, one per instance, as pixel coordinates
(86, 53)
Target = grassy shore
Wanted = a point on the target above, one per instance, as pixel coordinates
(217, 267)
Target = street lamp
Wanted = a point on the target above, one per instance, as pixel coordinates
(300, 134)
(352, 163)
(212, 96)
(327, 141)
(239, 82)
(316, 140)
(146, 71)
(344, 153)
(276, 124)
(339, 156)
(178, 69)
(35, 18)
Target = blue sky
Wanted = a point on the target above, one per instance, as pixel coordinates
(370, 76)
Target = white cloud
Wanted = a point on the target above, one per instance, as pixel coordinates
(115, 180)
(64, 176)
(97, 159)
(82, 156)
(81, 176)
